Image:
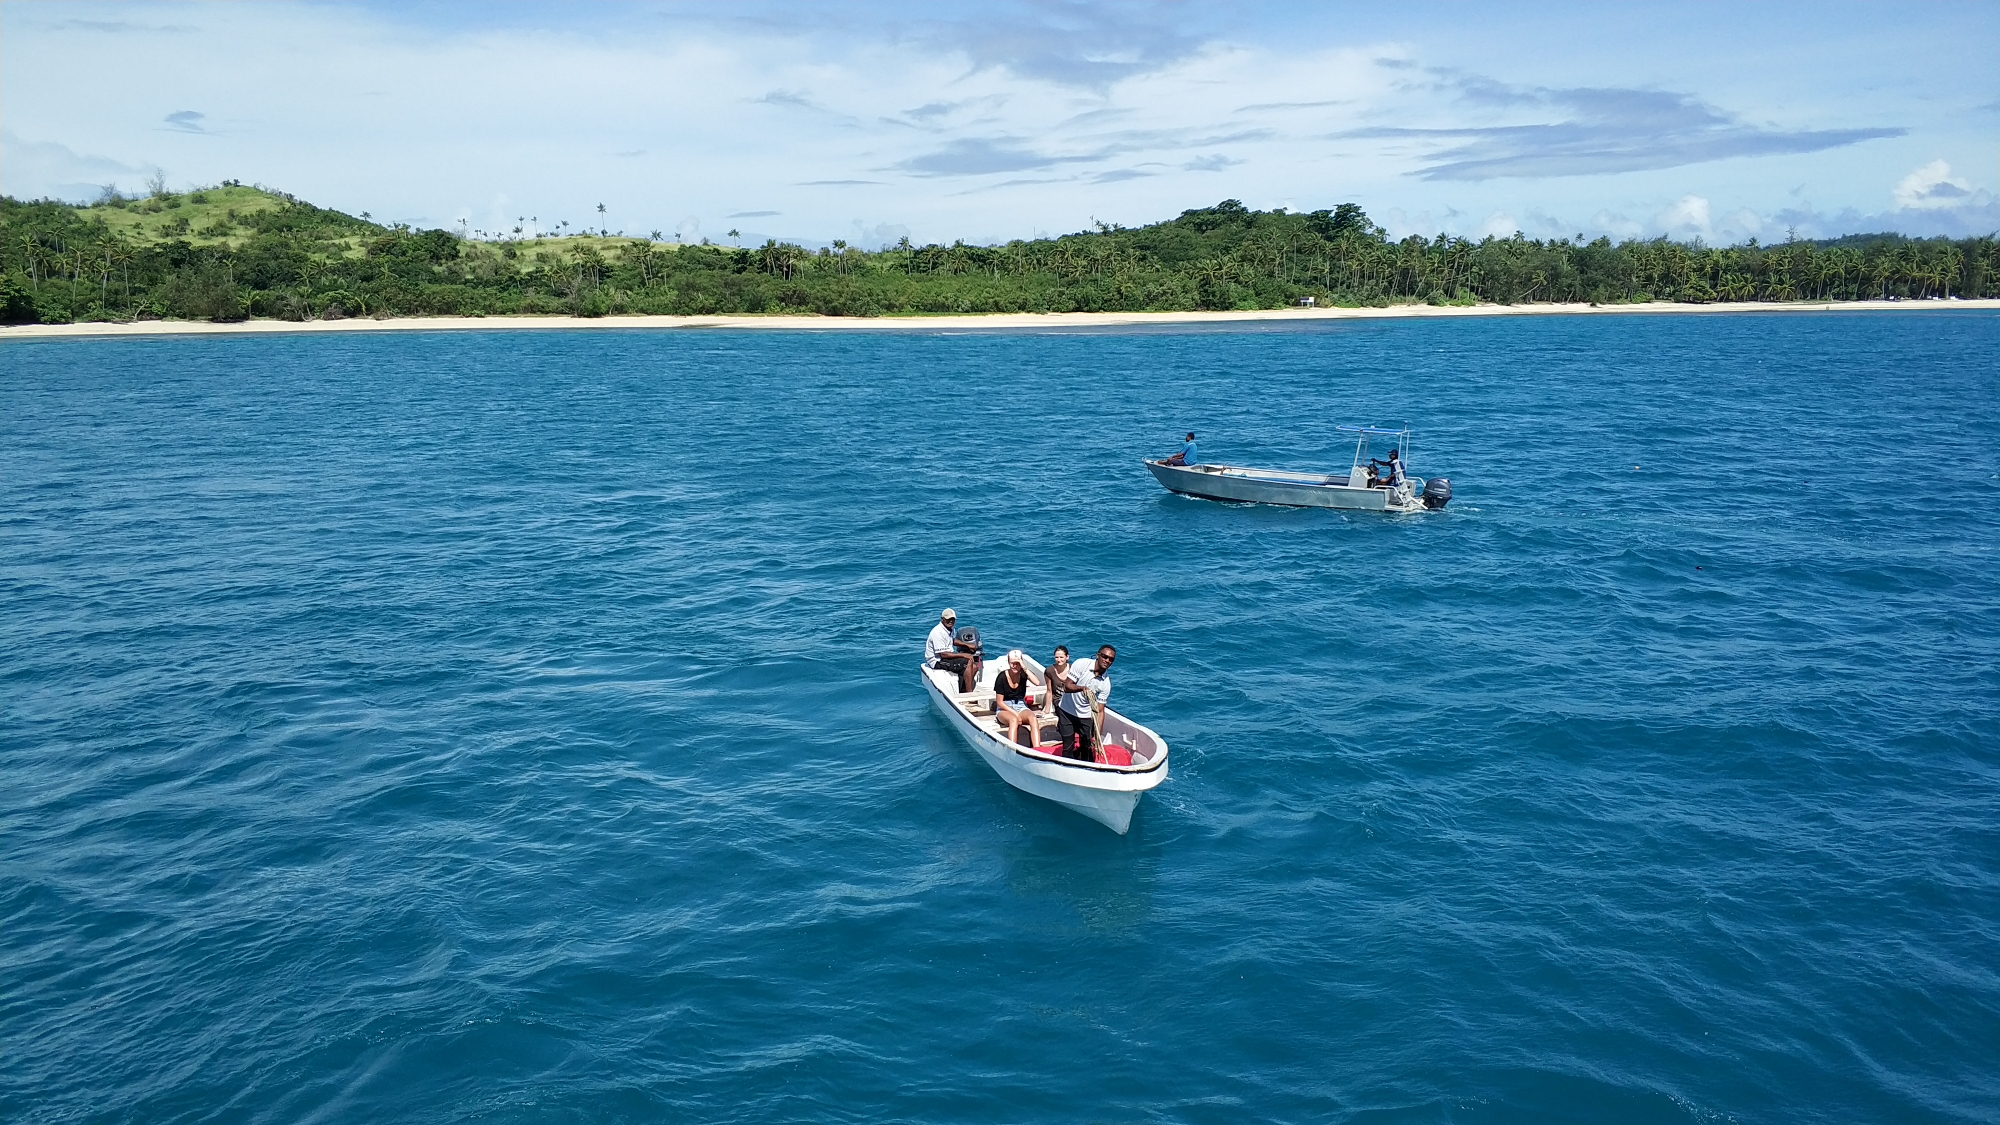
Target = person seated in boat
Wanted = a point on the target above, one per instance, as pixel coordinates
(1051, 672)
(941, 650)
(1187, 455)
(1010, 700)
(1086, 689)
(1390, 474)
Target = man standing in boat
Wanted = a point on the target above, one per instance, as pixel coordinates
(940, 651)
(1391, 475)
(1080, 712)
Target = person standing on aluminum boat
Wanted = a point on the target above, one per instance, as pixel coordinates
(1080, 713)
(1393, 474)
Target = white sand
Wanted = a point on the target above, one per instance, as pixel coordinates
(1014, 321)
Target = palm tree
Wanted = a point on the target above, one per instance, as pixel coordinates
(590, 262)
(121, 253)
(735, 236)
(31, 249)
(314, 271)
(1883, 269)
(1949, 263)
(104, 275)
(640, 254)
(75, 261)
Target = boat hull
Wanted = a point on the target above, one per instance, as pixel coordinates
(1256, 486)
(1105, 794)
(1270, 486)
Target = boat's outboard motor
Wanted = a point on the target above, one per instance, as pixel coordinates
(1437, 493)
(968, 640)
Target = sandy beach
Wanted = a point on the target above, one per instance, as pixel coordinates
(973, 321)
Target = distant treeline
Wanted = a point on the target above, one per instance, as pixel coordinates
(233, 252)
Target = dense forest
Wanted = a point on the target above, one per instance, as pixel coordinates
(231, 252)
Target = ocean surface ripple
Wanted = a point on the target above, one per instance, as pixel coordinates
(524, 727)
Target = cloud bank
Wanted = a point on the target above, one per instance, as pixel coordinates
(1600, 131)
(988, 122)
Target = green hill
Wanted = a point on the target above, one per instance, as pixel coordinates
(230, 252)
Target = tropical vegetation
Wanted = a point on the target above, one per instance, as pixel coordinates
(229, 252)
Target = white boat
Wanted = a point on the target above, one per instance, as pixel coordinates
(1131, 760)
(1356, 489)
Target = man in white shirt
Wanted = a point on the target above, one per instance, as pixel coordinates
(1080, 712)
(940, 652)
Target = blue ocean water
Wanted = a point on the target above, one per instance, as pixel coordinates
(524, 727)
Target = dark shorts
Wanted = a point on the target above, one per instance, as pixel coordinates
(1077, 736)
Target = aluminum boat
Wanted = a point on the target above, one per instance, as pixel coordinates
(1130, 760)
(1357, 489)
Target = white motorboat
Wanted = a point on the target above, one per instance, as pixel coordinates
(1357, 489)
(1131, 759)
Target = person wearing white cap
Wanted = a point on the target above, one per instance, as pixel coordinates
(941, 652)
(1010, 700)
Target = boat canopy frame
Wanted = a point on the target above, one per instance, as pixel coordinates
(1363, 433)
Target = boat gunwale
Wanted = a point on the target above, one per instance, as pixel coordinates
(1057, 759)
(1301, 484)
(1157, 763)
(1286, 477)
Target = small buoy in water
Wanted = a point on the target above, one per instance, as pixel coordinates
(1635, 468)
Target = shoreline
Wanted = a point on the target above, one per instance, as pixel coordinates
(955, 321)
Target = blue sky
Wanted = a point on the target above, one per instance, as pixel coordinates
(991, 121)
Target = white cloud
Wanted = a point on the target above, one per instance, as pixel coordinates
(1686, 217)
(1740, 224)
(1932, 187)
(1617, 226)
(983, 124)
(38, 169)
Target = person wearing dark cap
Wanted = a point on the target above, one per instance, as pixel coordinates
(1385, 474)
(1187, 455)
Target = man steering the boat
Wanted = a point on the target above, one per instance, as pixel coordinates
(1080, 712)
(942, 650)
(1391, 474)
